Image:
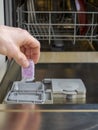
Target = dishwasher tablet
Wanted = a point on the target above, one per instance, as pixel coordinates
(29, 72)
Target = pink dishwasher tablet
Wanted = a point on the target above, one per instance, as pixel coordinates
(29, 72)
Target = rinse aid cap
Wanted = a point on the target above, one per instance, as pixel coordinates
(29, 72)
(68, 86)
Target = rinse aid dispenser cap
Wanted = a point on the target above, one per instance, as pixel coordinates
(71, 88)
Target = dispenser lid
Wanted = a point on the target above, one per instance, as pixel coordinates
(27, 87)
(24, 92)
(24, 97)
(68, 85)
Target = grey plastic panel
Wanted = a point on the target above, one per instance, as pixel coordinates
(67, 90)
(22, 92)
(48, 96)
(23, 97)
(49, 91)
(68, 86)
(27, 87)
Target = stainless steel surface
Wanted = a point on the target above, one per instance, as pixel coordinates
(56, 117)
(8, 18)
(68, 57)
(85, 71)
(19, 120)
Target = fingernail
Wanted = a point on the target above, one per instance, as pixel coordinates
(25, 63)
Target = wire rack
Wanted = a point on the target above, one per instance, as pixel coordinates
(49, 24)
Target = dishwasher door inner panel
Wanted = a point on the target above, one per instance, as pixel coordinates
(48, 91)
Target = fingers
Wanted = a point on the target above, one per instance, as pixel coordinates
(31, 53)
(31, 47)
(22, 55)
(30, 40)
(20, 58)
(19, 45)
(35, 54)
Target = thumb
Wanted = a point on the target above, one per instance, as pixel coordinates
(21, 59)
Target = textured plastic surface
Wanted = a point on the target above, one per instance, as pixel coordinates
(48, 91)
(68, 85)
(25, 92)
(67, 90)
(24, 97)
(27, 87)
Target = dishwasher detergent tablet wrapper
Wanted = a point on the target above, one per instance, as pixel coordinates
(29, 72)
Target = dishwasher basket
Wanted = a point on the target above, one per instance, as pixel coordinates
(48, 20)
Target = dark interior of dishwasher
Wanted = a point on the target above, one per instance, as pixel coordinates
(59, 31)
(88, 42)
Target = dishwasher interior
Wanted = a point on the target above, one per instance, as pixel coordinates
(63, 28)
(62, 25)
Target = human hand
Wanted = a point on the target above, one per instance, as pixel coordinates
(18, 44)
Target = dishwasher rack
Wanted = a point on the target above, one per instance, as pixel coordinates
(58, 25)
